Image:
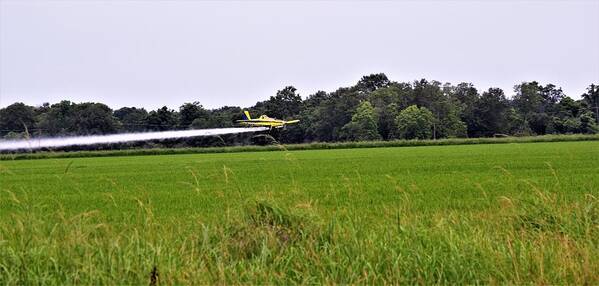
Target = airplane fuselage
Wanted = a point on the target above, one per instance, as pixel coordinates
(264, 121)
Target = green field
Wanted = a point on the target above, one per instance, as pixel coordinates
(508, 213)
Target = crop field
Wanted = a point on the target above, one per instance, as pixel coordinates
(514, 213)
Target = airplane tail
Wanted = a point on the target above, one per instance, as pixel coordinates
(246, 115)
(292, 121)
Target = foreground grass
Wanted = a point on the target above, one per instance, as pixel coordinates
(523, 242)
(294, 147)
(517, 213)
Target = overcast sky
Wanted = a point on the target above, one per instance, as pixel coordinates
(155, 53)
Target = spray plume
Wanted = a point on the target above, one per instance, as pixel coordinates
(37, 143)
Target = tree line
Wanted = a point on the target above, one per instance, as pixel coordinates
(375, 108)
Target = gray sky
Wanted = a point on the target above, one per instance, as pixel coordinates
(155, 53)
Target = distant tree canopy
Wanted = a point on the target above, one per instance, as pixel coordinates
(132, 118)
(591, 100)
(363, 125)
(415, 123)
(189, 112)
(162, 119)
(374, 108)
(16, 118)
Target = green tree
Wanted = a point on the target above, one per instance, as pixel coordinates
(491, 113)
(512, 123)
(59, 119)
(588, 124)
(415, 123)
(328, 113)
(161, 119)
(313, 118)
(285, 104)
(372, 82)
(538, 122)
(537, 104)
(568, 107)
(551, 96)
(132, 119)
(451, 125)
(363, 125)
(466, 97)
(386, 115)
(387, 102)
(527, 99)
(16, 118)
(222, 117)
(93, 118)
(456, 111)
(67, 118)
(189, 112)
(446, 111)
(591, 98)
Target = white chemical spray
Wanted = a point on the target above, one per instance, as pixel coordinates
(37, 143)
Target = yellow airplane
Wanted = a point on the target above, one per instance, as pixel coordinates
(264, 121)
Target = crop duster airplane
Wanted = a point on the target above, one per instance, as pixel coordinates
(264, 121)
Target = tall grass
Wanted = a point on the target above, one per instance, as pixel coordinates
(538, 240)
(292, 147)
(521, 214)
